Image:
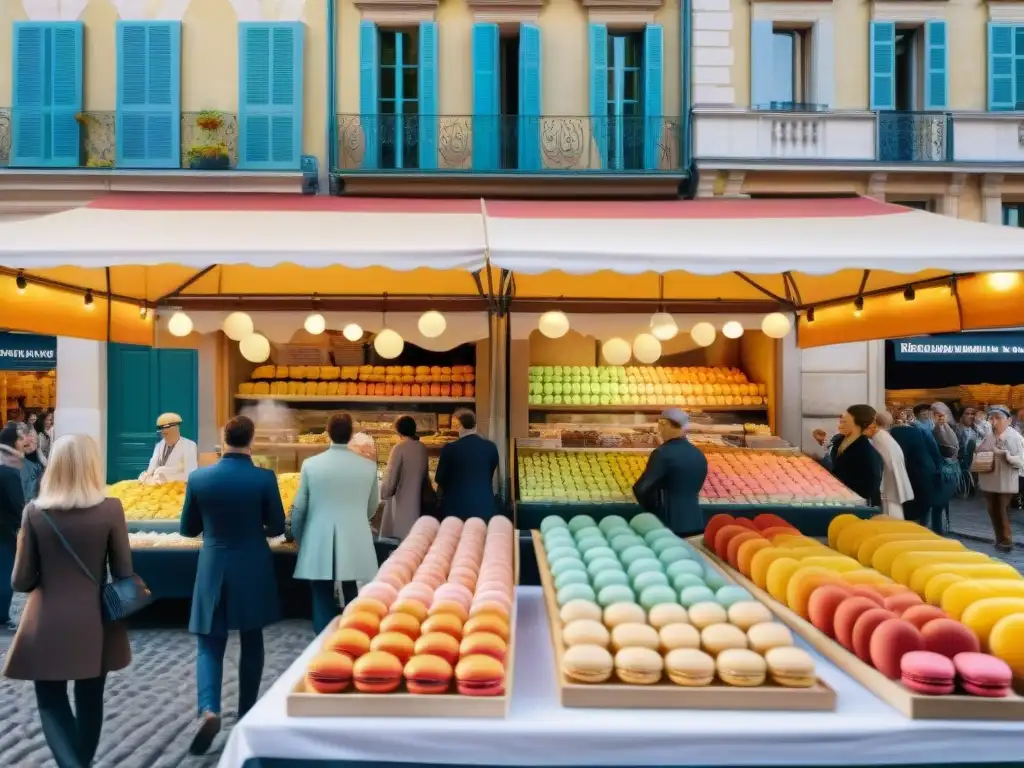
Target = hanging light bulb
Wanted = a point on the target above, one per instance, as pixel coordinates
(389, 344)
(858, 306)
(777, 325)
(237, 326)
(553, 324)
(1002, 281)
(810, 316)
(180, 324)
(143, 311)
(646, 348)
(732, 330)
(315, 324)
(616, 351)
(352, 332)
(88, 300)
(663, 326)
(703, 334)
(21, 282)
(255, 348)
(432, 324)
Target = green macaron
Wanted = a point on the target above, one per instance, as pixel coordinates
(673, 555)
(590, 532)
(649, 579)
(613, 523)
(687, 596)
(602, 564)
(576, 592)
(558, 567)
(658, 534)
(597, 553)
(684, 566)
(620, 542)
(728, 595)
(609, 578)
(591, 542)
(579, 522)
(714, 579)
(639, 552)
(552, 521)
(657, 595)
(616, 593)
(566, 578)
(642, 566)
(660, 545)
(559, 551)
(558, 536)
(683, 580)
(644, 523)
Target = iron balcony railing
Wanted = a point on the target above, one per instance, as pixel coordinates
(550, 144)
(914, 137)
(208, 141)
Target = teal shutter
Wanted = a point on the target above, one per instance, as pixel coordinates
(1018, 67)
(270, 95)
(936, 64)
(1001, 94)
(762, 41)
(369, 73)
(486, 108)
(883, 64)
(47, 90)
(599, 89)
(529, 97)
(654, 89)
(148, 94)
(428, 95)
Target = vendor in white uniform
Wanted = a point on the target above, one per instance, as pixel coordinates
(175, 457)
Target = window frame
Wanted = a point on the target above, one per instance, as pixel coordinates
(802, 35)
(1016, 209)
(398, 102)
(615, 101)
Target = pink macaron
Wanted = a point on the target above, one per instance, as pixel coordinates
(983, 675)
(418, 591)
(390, 577)
(928, 673)
(496, 596)
(378, 590)
(456, 592)
(494, 585)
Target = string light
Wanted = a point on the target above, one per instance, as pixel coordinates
(858, 306)
(143, 311)
(909, 294)
(810, 314)
(21, 282)
(88, 300)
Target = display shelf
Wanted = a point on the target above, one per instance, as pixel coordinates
(563, 408)
(395, 399)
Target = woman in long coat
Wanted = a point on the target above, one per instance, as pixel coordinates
(405, 481)
(855, 462)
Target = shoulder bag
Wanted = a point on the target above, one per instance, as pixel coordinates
(120, 598)
(983, 462)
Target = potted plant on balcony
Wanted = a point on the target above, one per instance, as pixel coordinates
(210, 154)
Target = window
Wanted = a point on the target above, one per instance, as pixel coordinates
(399, 99)
(1005, 66)
(625, 101)
(509, 65)
(908, 66)
(1013, 214)
(908, 69)
(791, 66)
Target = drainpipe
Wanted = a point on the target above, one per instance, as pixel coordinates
(332, 90)
(685, 57)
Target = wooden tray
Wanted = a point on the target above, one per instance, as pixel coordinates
(912, 705)
(401, 703)
(667, 695)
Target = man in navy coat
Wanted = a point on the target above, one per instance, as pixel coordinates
(235, 506)
(465, 472)
(924, 468)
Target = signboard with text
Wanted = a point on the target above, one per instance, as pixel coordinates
(27, 352)
(962, 348)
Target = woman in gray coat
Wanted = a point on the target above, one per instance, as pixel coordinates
(405, 481)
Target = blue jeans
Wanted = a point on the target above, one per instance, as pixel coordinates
(210, 670)
(71, 736)
(7, 550)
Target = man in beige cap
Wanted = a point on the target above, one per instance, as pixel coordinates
(175, 457)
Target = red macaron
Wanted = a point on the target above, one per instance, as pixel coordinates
(949, 638)
(983, 675)
(865, 627)
(919, 615)
(822, 607)
(890, 642)
(846, 617)
(928, 673)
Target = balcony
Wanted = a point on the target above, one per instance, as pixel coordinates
(915, 137)
(508, 144)
(984, 138)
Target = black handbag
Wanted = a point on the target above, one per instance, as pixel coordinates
(119, 598)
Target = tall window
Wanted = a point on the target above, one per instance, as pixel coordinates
(1013, 214)
(399, 130)
(791, 64)
(625, 101)
(909, 67)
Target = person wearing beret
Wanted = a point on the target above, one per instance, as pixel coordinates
(999, 486)
(676, 470)
(235, 506)
(175, 457)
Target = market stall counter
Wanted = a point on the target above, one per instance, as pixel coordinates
(862, 731)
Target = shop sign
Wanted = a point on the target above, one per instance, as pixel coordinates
(27, 352)
(962, 347)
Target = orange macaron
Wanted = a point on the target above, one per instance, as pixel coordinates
(377, 672)
(480, 675)
(329, 672)
(427, 674)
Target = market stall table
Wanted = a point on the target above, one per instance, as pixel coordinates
(863, 731)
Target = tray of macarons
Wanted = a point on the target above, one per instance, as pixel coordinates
(639, 619)
(923, 623)
(430, 636)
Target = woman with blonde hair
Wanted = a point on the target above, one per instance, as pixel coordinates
(71, 527)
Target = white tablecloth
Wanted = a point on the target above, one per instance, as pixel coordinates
(863, 730)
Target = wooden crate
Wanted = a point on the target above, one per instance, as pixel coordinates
(912, 705)
(667, 695)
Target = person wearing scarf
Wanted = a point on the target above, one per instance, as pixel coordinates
(999, 486)
(896, 487)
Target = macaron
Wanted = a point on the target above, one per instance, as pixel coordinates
(443, 622)
(673, 554)
(683, 580)
(329, 672)
(378, 590)
(928, 673)
(615, 594)
(575, 610)
(703, 615)
(437, 644)
(364, 621)
(729, 594)
(722, 637)
(427, 675)
(450, 607)
(983, 675)
(636, 552)
(685, 566)
(350, 642)
(823, 604)
(401, 622)
(638, 666)
(589, 532)
(597, 552)
(623, 613)
(689, 667)
(635, 636)
(746, 613)
(586, 632)
(549, 522)
(667, 613)
(575, 592)
(651, 579)
(901, 601)
(864, 628)
(846, 616)
(612, 523)
(790, 667)
(643, 565)
(413, 608)
(714, 579)
(564, 552)
(771, 634)
(573, 577)
(487, 622)
(919, 615)
(589, 664)
(890, 642)
(741, 667)
(579, 522)
(367, 604)
(660, 544)
(657, 595)
(564, 564)
(609, 578)
(674, 636)
(660, 534)
(690, 596)
(620, 541)
(398, 645)
(377, 672)
(480, 675)
(949, 638)
(602, 564)
(485, 644)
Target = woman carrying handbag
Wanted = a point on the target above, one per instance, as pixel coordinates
(68, 536)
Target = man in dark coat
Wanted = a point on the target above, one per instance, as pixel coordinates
(924, 468)
(12, 504)
(465, 472)
(676, 470)
(236, 506)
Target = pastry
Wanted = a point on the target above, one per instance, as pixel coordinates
(329, 672)
(401, 622)
(587, 664)
(673, 554)
(551, 522)
(351, 642)
(685, 566)
(770, 634)
(747, 613)
(981, 616)
(673, 636)
(411, 607)
(864, 628)
(741, 667)
(928, 673)
(579, 609)
(657, 595)
(579, 522)
(790, 667)
(427, 674)
(846, 616)
(919, 615)
(479, 675)
(705, 614)
(597, 551)
(891, 640)
(437, 644)
(623, 613)
(683, 580)
(449, 607)
(616, 594)
(948, 638)
(901, 601)
(487, 623)
(602, 564)
(636, 553)
(689, 667)
(377, 672)
(586, 632)
(634, 636)
(567, 564)
(485, 644)
(362, 603)
(692, 595)
(667, 613)
(983, 675)
(576, 592)
(443, 622)
(397, 644)
(722, 637)
(1006, 641)
(609, 578)
(566, 578)
(643, 566)
(651, 579)
(612, 522)
(823, 604)
(638, 666)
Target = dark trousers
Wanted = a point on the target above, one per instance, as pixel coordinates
(325, 607)
(998, 504)
(938, 520)
(7, 549)
(210, 670)
(71, 736)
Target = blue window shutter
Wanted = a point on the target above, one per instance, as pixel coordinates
(66, 90)
(148, 94)
(1018, 67)
(599, 89)
(529, 97)
(486, 110)
(761, 58)
(30, 114)
(654, 89)
(270, 95)
(936, 65)
(823, 48)
(368, 79)
(428, 95)
(1000, 67)
(883, 65)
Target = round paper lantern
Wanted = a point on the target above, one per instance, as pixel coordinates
(732, 330)
(237, 326)
(646, 348)
(777, 325)
(616, 351)
(255, 348)
(315, 324)
(180, 324)
(352, 332)
(432, 324)
(703, 334)
(388, 344)
(1002, 281)
(553, 324)
(663, 326)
